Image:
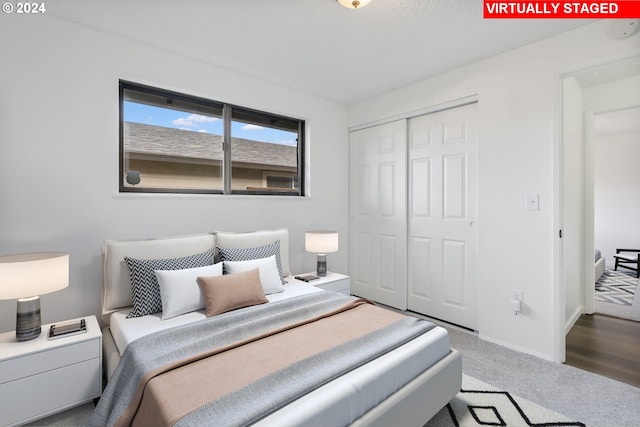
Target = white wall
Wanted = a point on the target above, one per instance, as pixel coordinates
(59, 156)
(617, 193)
(615, 169)
(519, 110)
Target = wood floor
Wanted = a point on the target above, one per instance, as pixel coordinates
(606, 345)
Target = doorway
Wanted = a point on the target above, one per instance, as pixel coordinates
(587, 95)
(616, 148)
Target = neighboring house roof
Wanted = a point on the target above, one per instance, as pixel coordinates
(149, 142)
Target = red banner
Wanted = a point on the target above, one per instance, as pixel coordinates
(588, 9)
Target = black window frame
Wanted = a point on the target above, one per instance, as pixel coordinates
(229, 112)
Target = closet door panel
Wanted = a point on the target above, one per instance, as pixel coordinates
(442, 211)
(421, 194)
(419, 272)
(454, 186)
(377, 237)
(454, 273)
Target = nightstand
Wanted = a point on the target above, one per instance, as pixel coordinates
(41, 376)
(333, 282)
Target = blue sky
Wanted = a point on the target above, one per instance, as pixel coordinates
(146, 114)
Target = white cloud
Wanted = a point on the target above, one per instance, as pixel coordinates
(198, 118)
(203, 131)
(193, 120)
(252, 127)
(182, 122)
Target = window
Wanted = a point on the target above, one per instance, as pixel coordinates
(175, 143)
(278, 181)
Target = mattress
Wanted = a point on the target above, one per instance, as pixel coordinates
(338, 402)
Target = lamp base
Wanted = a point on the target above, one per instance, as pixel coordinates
(321, 269)
(28, 324)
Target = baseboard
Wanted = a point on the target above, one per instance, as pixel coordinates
(573, 319)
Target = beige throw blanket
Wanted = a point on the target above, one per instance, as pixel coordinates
(172, 394)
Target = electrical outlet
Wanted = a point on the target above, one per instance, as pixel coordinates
(517, 295)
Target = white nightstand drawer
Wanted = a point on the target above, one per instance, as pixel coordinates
(332, 282)
(40, 377)
(48, 359)
(66, 387)
(337, 286)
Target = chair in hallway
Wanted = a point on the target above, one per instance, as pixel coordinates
(627, 258)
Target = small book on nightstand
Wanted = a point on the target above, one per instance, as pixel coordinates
(307, 277)
(67, 329)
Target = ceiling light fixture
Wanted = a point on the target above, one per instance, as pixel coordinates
(354, 4)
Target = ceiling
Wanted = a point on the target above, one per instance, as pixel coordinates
(318, 46)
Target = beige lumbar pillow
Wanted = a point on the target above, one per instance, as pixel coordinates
(231, 291)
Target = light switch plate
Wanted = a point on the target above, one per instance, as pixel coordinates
(533, 202)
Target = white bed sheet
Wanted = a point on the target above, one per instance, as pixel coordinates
(124, 331)
(339, 402)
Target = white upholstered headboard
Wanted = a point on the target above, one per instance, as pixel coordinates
(116, 286)
(226, 239)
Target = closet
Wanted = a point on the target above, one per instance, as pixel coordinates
(413, 213)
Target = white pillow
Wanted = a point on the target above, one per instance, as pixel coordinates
(179, 290)
(269, 275)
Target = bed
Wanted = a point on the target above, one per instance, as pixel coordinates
(400, 371)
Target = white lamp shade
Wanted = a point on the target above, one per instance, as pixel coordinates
(28, 275)
(321, 241)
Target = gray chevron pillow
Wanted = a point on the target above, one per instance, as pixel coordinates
(145, 290)
(246, 254)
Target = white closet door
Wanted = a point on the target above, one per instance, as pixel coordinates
(442, 242)
(378, 231)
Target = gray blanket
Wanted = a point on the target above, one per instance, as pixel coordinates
(271, 392)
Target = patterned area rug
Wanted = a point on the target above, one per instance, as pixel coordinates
(479, 404)
(616, 287)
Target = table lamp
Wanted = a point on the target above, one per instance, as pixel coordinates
(25, 277)
(321, 242)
